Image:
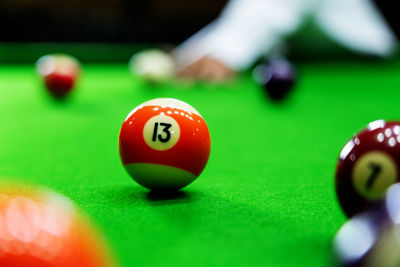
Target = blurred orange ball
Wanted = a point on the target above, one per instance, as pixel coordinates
(39, 227)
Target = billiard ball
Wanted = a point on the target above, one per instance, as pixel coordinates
(368, 164)
(152, 65)
(356, 238)
(41, 228)
(372, 238)
(277, 76)
(164, 144)
(364, 241)
(385, 251)
(59, 72)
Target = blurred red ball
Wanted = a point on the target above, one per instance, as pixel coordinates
(60, 73)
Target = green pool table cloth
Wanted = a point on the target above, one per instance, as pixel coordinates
(266, 197)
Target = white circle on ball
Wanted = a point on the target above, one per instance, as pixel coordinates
(161, 132)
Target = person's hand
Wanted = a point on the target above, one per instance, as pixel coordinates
(207, 69)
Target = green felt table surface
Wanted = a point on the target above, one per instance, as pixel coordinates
(266, 197)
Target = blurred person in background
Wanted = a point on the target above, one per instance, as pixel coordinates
(247, 30)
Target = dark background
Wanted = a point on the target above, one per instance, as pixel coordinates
(120, 21)
(390, 10)
(104, 20)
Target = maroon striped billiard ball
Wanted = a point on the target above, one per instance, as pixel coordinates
(59, 72)
(368, 164)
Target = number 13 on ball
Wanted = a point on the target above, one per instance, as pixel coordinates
(164, 144)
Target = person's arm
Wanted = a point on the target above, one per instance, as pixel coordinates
(246, 30)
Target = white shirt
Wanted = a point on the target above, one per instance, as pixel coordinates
(248, 29)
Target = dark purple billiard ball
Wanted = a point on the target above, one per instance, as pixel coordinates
(372, 238)
(368, 164)
(277, 76)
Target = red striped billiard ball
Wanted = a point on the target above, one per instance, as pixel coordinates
(59, 73)
(164, 144)
(368, 164)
